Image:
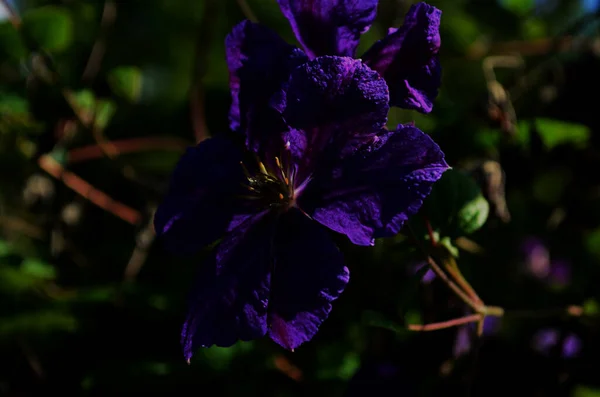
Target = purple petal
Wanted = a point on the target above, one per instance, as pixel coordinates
(408, 59)
(544, 340)
(199, 206)
(329, 27)
(259, 63)
(308, 275)
(230, 300)
(462, 343)
(571, 346)
(333, 101)
(372, 193)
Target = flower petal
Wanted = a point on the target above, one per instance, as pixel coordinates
(408, 59)
(329, 27)
(373, 192)
(198, 208)
(259, 63)
(230, 300)
(309, 274)
(336, 103)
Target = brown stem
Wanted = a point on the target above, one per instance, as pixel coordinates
(124, 146)
(446, 324)
(87, 191)
(92, 67)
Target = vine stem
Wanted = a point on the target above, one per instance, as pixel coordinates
(446, 324)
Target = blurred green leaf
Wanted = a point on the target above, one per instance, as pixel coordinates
(159, 162)
(456, 205)
(42, 322)
(585, 391)
(219, 358)
(374, 319)
(473, 215)
(549, 186)
(49, 27)
(11, 105)
(556, 132)
(5, 248)
(592, 242)
(126, 82)
(591, 307)
(38, 269)
(553, 133)
(12, 46)
(519, 7)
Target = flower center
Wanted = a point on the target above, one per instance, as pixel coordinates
(272, 183)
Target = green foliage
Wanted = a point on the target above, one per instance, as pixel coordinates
(50, 27)
(126, 82)
(456, 206)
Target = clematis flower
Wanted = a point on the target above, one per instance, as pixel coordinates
(316, 156)
(407, 57)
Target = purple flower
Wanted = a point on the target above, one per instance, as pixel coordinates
(407, 57)
(316, 154)
(462, 343)
(546, 339)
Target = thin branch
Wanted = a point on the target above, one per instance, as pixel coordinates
(247, 11)
(455, 288)
(125, 146)
(92, 67)
(446, 324)
(87, 191)
(197, 102)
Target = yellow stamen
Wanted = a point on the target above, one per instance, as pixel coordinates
(280, 196)
(278, 162)
(287, 181)
(262, 168)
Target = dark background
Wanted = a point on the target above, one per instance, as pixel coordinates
(104, 97)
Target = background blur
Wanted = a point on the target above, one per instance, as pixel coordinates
(99, 99)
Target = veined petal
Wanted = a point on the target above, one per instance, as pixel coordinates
(309, 274)
(329, 27)
(259, 62)
(408, 59)
(375, 190)
(231, 297)
(198, 207)
(336, 103)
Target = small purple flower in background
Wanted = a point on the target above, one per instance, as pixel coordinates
(462, 343)
(556, 272)
(546, 339)
(429, 275)
(537, 257)
(317, 153)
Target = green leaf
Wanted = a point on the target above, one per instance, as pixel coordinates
(556, 132)
(5, 248)
(49, 27)
(37, 323)
(592, 242)
(12, 46)
(549, 186)
(219, 358)
(38, 269)
(519, 7)
(126, 82)
(591, 307)
(13, 105)
(473, 215)
(375, 319)
(456, 206)
(585, 391)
